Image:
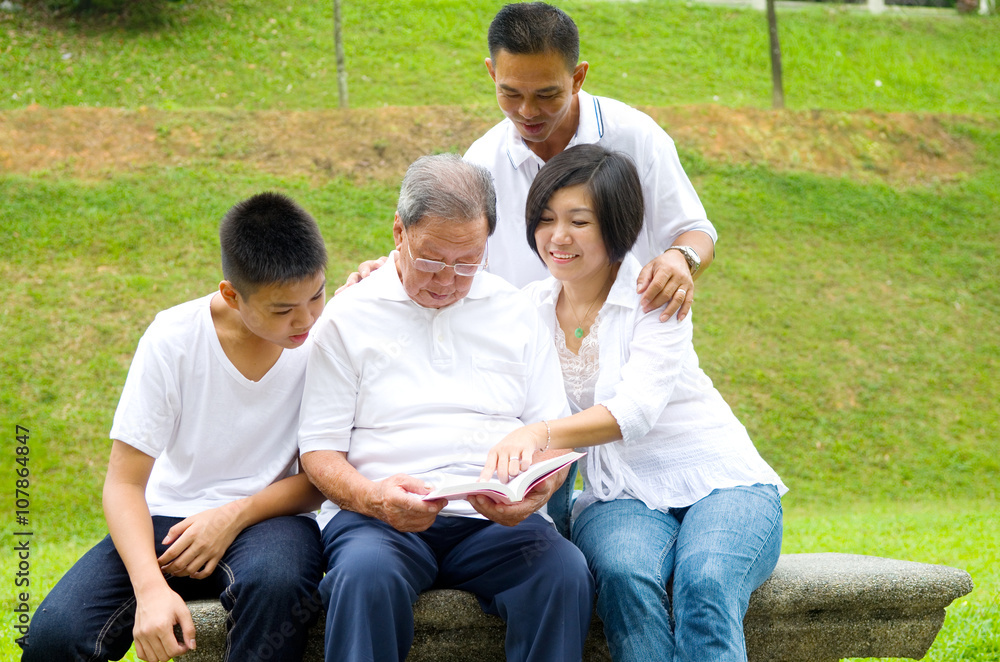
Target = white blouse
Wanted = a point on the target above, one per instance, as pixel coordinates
(680, 439)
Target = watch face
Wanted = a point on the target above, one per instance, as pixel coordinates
(691, 256)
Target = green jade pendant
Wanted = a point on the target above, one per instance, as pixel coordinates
(579, 332)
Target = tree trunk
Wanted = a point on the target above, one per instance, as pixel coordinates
(339, 42)
(778, 92)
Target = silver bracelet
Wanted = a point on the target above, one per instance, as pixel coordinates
(548, 437)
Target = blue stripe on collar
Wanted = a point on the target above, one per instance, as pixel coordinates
(600, 117)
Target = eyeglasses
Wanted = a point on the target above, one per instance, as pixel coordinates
(434, 266)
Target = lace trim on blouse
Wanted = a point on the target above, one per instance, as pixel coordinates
(580, 370)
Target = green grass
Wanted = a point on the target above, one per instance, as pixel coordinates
(823, 322)
(956, 533)
(851, 325)
(261, 55)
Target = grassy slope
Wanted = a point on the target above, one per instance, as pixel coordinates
(268, 55)
(851, 326)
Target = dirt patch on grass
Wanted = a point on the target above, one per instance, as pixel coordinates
(378, 143)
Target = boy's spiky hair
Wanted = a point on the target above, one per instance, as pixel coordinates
(266, 239)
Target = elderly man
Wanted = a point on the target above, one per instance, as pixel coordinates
(415, 374)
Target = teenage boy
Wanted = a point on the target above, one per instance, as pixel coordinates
(202, 495)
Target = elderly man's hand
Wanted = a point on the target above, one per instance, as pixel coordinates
(516, 513)
(396, 501)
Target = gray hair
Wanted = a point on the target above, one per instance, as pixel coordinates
(447, 187)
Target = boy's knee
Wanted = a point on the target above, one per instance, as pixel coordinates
(47, 634)
(52, 636)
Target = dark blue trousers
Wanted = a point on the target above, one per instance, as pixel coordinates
(266, 581)
(529, 575)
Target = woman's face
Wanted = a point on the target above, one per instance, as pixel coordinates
(568, 237)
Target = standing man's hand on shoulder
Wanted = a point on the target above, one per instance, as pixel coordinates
(669, 278)
(667, 281)
(365, 270)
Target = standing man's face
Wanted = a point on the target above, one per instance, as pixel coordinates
(537, 92)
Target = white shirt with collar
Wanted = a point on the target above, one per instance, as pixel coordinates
(426, 392)
(672, 205)
(680, 440)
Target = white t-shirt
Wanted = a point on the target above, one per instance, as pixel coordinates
(680, 440)
(672, 206)
(216, 436)
(426, 392)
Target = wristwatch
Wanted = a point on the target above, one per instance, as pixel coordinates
(691, 255)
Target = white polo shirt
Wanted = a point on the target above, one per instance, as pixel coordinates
(672, 206)
(421, 391)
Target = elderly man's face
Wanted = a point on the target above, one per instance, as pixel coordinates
(451, 242)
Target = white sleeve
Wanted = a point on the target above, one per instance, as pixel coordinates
(657, 352)
(672, 205)
(326, 416)
(150, 403)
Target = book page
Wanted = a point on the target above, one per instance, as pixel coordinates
(513, 491)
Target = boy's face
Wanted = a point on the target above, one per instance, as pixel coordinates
(283, 314)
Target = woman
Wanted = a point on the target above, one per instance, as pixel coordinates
(674, 490)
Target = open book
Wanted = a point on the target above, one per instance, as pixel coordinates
(510, 492)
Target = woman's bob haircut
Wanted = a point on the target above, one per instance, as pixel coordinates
(611, 181)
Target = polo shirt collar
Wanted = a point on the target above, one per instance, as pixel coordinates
(390, 287)
(623, 289)
(589, 130)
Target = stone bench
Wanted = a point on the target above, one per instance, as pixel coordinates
(814, 608)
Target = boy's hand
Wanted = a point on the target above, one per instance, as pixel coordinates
(197, 543)
(155, 617)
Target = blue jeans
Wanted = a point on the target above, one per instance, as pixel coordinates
(528, 574)
(716, 552)
(266, 581)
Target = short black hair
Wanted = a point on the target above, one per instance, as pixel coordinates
(613, 184)
(268, 239)
(530, 28)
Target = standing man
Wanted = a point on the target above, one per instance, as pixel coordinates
(415, 374)
(534, 62)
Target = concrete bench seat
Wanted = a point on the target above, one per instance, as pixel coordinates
(814, 608)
